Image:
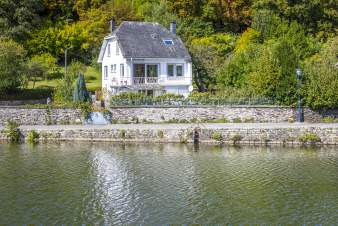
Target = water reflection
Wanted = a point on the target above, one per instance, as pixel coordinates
(104, 183)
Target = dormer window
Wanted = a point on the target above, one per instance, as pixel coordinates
(168, 42)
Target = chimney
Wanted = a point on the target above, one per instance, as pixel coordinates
(173, 27)
(112, 25)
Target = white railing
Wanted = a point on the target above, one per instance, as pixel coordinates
(145, 80)
(148, 80)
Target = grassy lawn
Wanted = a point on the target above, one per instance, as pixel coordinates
(92, 77)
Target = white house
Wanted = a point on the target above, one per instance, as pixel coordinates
(145, 57)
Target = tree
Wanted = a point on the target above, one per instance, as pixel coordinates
(81, 93)
(235, 70)
(12, 56)
(185, 8)
(76, 68)
(321, 77)
(19, 17)
(318, 17)
(230, 15)
(208, 55)
(274, 74)
(41, 67)
(34, 70)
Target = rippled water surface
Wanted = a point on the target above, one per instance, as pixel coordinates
(113, 184)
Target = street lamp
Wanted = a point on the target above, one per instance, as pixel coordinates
(300, 114)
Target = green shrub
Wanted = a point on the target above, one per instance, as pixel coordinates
(27, 94)
(221, 120)
(237, 120)
(33, 137)
(183, 121)
(173, 120)
(217, 136)
(249, 120)
(236, 139)
(85, 107)
(122, 134)
(169, 97)
(160, 134)
(183, 138)
(64, 122)
(291, 120)
(12, 131)
(310, 137)
(330, 120)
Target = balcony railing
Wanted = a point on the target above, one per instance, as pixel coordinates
(145, 80)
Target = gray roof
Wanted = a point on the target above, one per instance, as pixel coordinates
(145, 40)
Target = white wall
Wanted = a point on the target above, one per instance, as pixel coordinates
(111, 60)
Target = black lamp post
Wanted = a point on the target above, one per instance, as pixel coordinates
(300, 114)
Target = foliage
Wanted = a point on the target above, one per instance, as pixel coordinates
(209, 53)
(311, 138)
(27, 94)
(33, 137)
(19, 17)
(160, 134)
(75, 69)
(235, 70)
(41, 67)
(81, 93)
(12, 131)
(63, 93)
(122, 134)
(330, 120)
(85, 107)
(232, 15)
(321, 77)
(11, 65)
(274, 74)
(236, 139)
(217, 136)
(247, 38)
(169, 97)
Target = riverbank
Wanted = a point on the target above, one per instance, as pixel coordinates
(229, 133)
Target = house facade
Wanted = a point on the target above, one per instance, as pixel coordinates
(145, 57)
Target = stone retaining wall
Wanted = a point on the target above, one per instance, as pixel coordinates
(39, 116)
(184, 133)
(209, 114)
(36, 116)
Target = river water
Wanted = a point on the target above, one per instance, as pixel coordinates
(115, 184)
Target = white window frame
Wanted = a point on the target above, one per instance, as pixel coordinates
(146, 68)
(175, 70)
(182, 65)
(105, 72)
(113, 68)
(117, 49)
(173, 75)
(121, 70)
(109, 50)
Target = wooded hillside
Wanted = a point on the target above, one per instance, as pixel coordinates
(239, 47)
